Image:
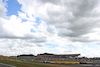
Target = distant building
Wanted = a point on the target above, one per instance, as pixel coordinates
(30, 56)
(1, 56)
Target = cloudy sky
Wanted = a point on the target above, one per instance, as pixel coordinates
(54, 26)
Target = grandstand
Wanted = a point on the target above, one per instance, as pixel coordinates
(64, 57)
(47, 56)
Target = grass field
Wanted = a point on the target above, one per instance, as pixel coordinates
(31, 64)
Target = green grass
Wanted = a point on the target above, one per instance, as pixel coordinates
(31, 64)
(23, 59)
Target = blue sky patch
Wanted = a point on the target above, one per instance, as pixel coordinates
(51, 45)
(13, 7)
(3, 0)
(24, 20)
(32, 30)
(38, 20)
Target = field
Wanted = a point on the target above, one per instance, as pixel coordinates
(31, 64)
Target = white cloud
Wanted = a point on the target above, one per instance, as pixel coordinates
(90, 52)
(19, 46)
(13, 27)
(22, 15)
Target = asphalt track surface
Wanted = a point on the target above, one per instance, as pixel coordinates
(6, 65)
(79, 65)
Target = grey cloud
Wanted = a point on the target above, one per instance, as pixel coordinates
(2, 9)
(50, 1)
(28, 45)
(9, 35)
(50, 29)
(80, 39)
(27, 39)
(37, 40)
(83, 8)
(79, 22)
(81, 27)
(40, 45)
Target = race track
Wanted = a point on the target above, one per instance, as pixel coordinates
(5, 65)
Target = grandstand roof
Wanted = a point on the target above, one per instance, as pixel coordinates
(60, 54)
(68, 55)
